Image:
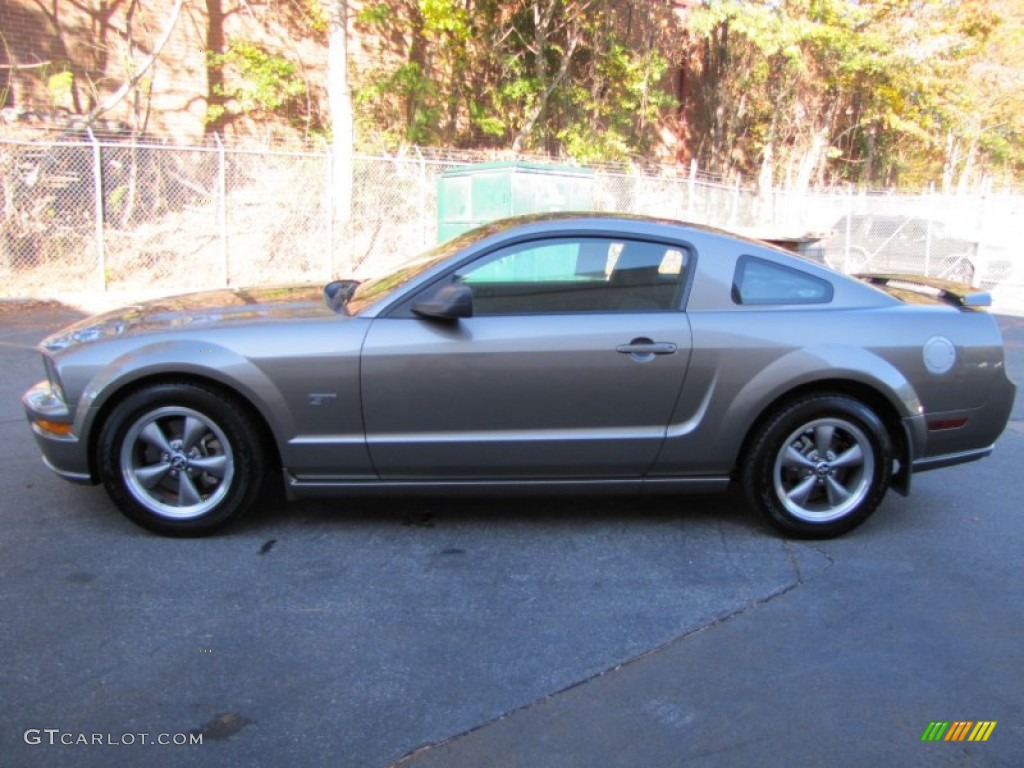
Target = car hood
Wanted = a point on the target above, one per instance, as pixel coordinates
(209, 309)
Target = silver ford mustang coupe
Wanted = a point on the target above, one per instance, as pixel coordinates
(574, 352)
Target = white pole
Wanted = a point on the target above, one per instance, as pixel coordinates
(97, 177)
(222, 207)
(330, 214)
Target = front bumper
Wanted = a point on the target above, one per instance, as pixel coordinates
(51, 421)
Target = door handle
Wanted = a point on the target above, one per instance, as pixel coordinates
(642, 350)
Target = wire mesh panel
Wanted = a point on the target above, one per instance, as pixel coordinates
(49, 222)
(276, 220)
(160, 218)
(393, 215)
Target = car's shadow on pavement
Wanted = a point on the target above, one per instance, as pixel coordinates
(431, 511)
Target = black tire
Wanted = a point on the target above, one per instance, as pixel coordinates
(180, 458)
(805, 494)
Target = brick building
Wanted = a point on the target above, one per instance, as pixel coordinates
(60, 58)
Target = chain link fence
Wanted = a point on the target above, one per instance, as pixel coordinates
(86, 215)
(970, 239)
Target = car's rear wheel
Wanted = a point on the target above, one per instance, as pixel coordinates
(180, 458)
(819, 466)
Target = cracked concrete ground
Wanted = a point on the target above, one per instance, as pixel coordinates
(545, 632)
(918, 622)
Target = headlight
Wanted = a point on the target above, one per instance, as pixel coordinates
(53, 377)
(65, 339)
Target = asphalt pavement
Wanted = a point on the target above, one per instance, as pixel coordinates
(488, 632)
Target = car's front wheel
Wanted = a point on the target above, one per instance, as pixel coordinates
(819, 466)
(180, 458)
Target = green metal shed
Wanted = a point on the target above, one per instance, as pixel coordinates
(471, 195)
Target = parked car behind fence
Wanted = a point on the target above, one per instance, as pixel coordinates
(887, 243)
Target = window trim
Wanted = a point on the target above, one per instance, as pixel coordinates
(402, 309)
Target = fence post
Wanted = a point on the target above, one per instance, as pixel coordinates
(638, 181)
(330, 214)
(983, 246)
(97, 177)
(735, 212)
(222, 207)
(849, 228)
(692, 190)
(929, 226)
(423, 194)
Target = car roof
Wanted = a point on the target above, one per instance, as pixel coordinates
(557, 221)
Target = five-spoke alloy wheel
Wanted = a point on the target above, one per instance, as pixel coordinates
(820, 466)
(180, 458)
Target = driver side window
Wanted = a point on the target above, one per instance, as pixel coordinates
(577, 275)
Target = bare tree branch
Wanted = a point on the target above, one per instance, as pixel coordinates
(542, 99)
(26, 66)
(117, 97)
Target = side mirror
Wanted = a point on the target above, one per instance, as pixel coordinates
(450, 303)
(338, 292)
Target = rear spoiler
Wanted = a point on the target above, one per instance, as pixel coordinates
(952, 293)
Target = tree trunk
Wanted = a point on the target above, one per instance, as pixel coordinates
(544, 17)
(542, 99)
(215, 44)
(339, 97)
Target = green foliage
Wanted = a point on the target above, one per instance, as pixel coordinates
(60, 86)
(610, 123)
(872, 92)
(445, 17)
(117, 196)
(402, 103)
(893, 86)
(315, 14)
(485, 121)
(255, 79)
(214, 112)
(377, 15)
(568, 76)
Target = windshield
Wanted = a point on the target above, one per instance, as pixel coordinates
(378, 288)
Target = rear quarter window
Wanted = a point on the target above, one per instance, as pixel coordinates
(759, 281)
